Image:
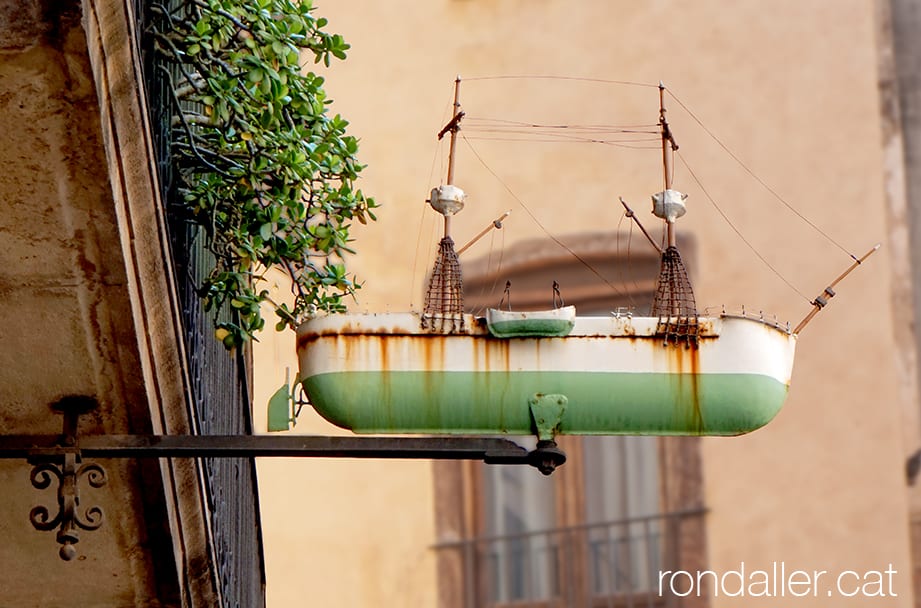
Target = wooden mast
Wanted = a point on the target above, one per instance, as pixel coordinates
(453, 127)
(668, 145)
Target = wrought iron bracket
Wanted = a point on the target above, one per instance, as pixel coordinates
(65, 468)
(60, 458)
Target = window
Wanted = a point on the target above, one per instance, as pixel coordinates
(622, 485)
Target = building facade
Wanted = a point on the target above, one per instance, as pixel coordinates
(789, 96)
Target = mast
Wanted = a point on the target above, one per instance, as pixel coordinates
(453, 127)
(668, 149)
(674, 302)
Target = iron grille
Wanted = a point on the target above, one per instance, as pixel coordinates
(220, 381)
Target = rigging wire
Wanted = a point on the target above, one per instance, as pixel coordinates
(532, 132)
(490, 288)
(632, 145)
(620, 267)
(736, 230)
(638, 128)
(435, 156)
(482, 294)
(629, 262)
(498, 272)
(574, 135)
(550, 77)
(525, 131)
(536, 221)
(758, 179)
(615, 144)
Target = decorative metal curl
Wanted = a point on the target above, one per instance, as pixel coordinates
(96, 477)
(69, 518)
(41, 477)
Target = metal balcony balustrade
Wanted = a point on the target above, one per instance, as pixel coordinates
(220, 381)
(612, 564)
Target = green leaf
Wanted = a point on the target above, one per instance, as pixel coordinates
(278, 186)
(231, 341)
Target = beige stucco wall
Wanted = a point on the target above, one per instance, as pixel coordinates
(791, 88)
(339, 532)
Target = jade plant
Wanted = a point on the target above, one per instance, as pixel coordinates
(263, 168)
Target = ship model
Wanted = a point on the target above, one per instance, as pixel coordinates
(444, 371)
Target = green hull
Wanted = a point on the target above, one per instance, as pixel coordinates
(530, 328)
(599, 403)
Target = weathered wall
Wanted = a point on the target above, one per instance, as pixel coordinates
(65, 321)
(900, 59)
(793, 92)
(339, 532)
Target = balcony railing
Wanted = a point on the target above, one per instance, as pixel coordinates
(219, 380)
(612, 564)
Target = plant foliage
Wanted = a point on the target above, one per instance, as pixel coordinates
(264, 170)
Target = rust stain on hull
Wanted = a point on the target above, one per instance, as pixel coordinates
(684, 364)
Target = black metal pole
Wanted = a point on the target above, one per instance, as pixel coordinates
(59, 459)
(492, 450)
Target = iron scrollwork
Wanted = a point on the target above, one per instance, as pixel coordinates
(68, 471)
(69, 518)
